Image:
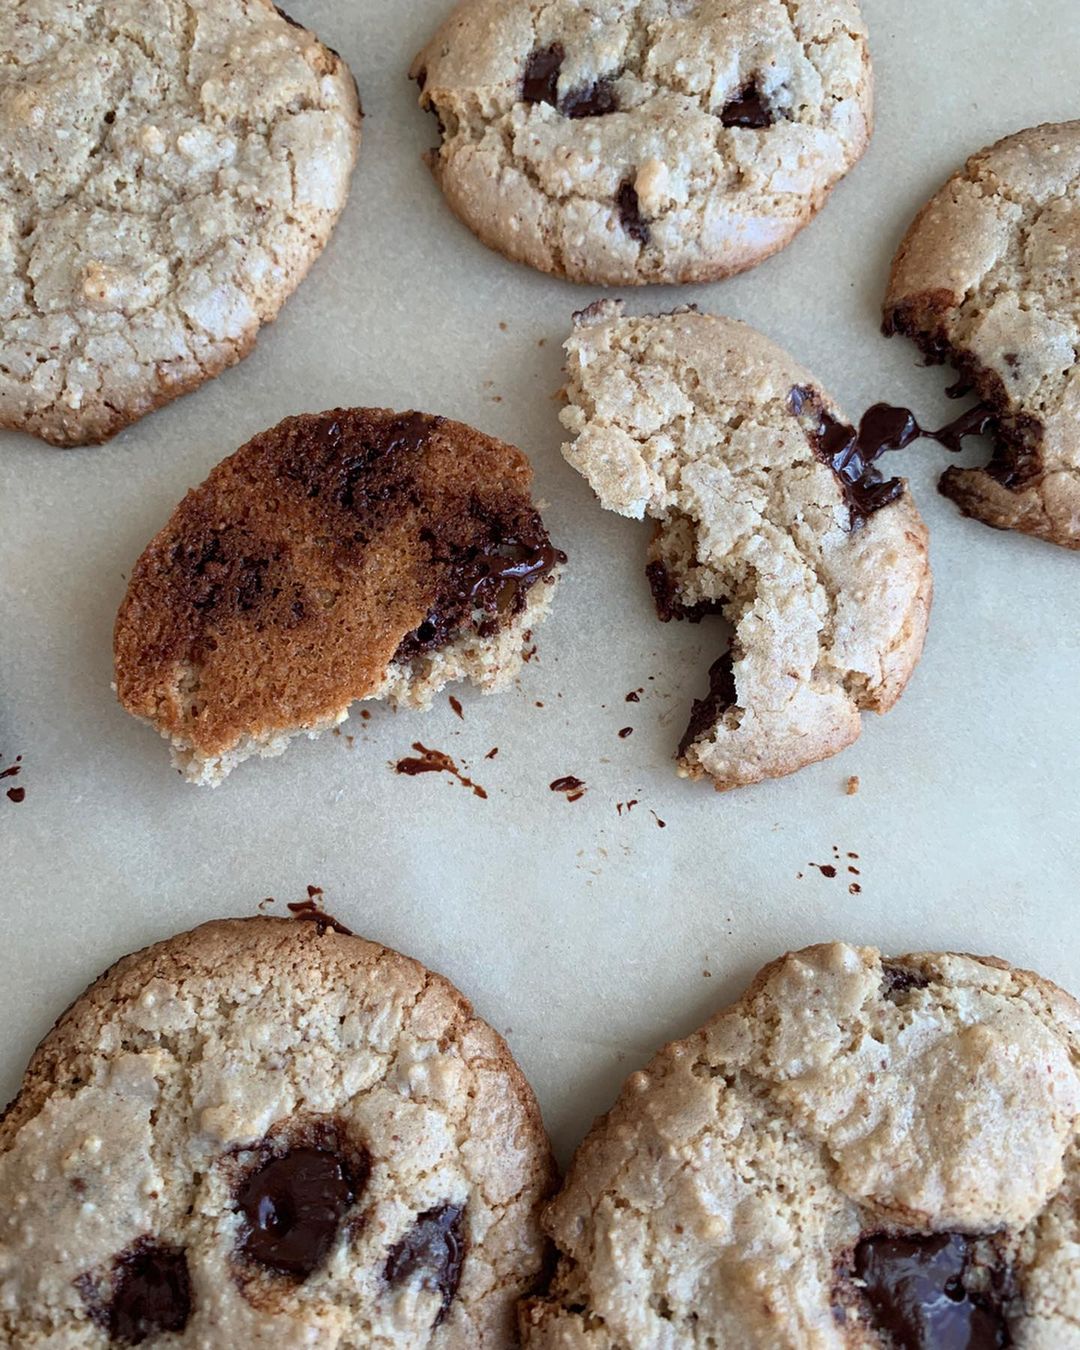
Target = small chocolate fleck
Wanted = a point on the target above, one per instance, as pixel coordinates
(311, 911)
(921, 1292)
(150, 1296)
(434, 1250)
(630, 217)
(16, 794)
(661, 823)
(826, 869)
(747, 109)
(854, 889)
(455, 703)
(541, 81)
(626, 731)
(294, 1206)
(492, 752)
(634, 696)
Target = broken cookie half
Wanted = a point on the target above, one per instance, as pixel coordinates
(352, 554)
(988, 279)
(771, 511)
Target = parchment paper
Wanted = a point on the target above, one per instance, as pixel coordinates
(587, 936)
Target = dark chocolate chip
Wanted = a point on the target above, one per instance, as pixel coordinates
(707, 711)
(630, 217)
(897, 980)
(665, 592)
(541, 81)
(434, 1250)
(151, 1293)
(484, 587)
(924, 1293)
(596, 100)
(294, 1206)
(747, 109)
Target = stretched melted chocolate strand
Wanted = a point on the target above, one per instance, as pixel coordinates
(294, 1207)
(852, 454)
(432, 1251)
(925, 1293)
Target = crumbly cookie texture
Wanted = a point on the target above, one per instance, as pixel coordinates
(269, 1133)
(708, 428)
(628, 141)
(352, 554)
(987, 279)
(168, 174)
(860, 1153)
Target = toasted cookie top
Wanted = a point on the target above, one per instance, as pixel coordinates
(267, 1132)
(987, 279)
(862, 1152)
(632, 141)
(168, 173)
(768, 513)
(321, 556)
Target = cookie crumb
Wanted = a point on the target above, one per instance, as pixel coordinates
(853, 785)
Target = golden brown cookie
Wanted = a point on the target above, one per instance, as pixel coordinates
(353, 554)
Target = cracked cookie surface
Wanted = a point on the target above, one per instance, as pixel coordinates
(987, 279)
(168, 174)
(269, 1132)
(711, 430)
(862, 1153)
(352, 554)
(630, 141)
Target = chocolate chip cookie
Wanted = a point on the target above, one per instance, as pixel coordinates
(771, 511)
(633, 141)
(861, 1153)
(168, 174)
(987, 279)
(353, 554)
(269, 1133)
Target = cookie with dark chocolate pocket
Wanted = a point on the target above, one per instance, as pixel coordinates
(988, 279)
(860, 1154)
(270, 1133)
(770, 510)
(632, 141)
(353, 554)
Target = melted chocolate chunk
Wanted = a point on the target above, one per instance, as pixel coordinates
(484, 588)
(747, 109)
(922, 1292)
(541, 81)
(433, 1250)
(630, 217)
(665, 592)
(596, 100)
(897, 980)
(294, 1206)
(151, 1293)
(851, 454)
(707, 711)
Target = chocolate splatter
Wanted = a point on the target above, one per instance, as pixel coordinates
(634, 696)
(492, 752)
(661, 823)
(626, 731)
(456, 705)
(435, 761)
